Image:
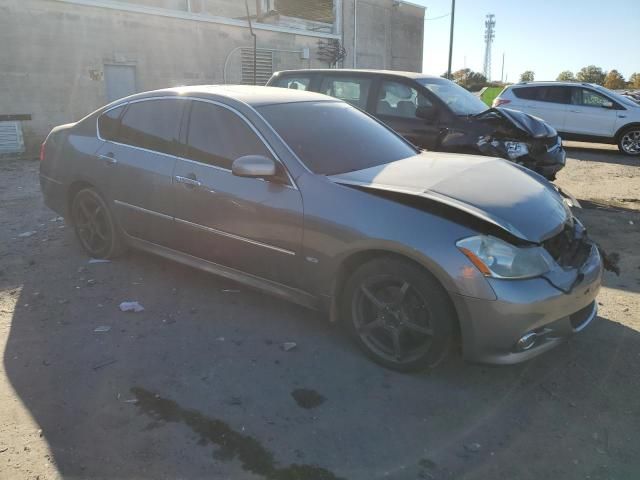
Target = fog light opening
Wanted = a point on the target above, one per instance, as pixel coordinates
(527, 341)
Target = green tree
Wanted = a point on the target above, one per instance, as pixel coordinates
(614, 80)
(634, 80)
(467, 78)
(591, 74)
(527, 76)
(566, 76)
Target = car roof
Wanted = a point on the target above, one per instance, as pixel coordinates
(351, 71)
(254, 96)
(552, 83)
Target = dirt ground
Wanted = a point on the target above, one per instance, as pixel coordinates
(198, 386)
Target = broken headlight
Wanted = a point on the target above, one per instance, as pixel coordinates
(499, 259)
(516, 149)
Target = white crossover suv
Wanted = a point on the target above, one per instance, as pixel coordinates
(579, 111)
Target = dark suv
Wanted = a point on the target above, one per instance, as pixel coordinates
(436, 114)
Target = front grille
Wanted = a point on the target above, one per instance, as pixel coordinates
(571, 247)
(579, 318)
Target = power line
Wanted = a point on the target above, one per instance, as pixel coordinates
(437, 18)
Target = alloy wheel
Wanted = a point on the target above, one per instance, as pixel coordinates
(630, 142)
(92, 223)
(392, 318)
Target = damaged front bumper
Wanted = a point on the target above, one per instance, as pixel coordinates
(529, 316)
(544, 156)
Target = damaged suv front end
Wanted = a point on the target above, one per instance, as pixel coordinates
(469, 126)
(521, 138)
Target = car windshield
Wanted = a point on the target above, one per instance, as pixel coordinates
(617, 97)
(334, 137)
(461, 101)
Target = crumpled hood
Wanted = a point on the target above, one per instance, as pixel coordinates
(489, 188)
(530, 125)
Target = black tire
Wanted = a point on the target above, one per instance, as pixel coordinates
(629, 141)
(95, 225)
(409, 308)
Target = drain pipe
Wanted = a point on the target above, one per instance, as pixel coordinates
(355, 33)
(255, 45)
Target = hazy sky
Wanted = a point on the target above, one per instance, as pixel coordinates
(545, 36)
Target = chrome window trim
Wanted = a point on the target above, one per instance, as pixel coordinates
(292, 183)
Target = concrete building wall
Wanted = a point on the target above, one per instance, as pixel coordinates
(54, 54)
(386, 34)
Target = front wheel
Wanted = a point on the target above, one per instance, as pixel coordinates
(95, 225)
(398, 314)
(629, 141)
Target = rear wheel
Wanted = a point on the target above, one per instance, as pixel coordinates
(398, 314)
(95, 225)
(629, 141)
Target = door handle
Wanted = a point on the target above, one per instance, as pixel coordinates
(108, 158)
(189, 181)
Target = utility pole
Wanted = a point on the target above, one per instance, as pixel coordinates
(453, 14)
(489, 35)
(502, 73)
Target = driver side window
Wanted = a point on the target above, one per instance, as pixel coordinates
(588, 98)
(399, 100)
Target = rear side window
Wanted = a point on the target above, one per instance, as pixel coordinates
(400, 100)
(295, 83)
(153, 124)
(109, 123)
(550, 94)
(352, 90)
(217, 136)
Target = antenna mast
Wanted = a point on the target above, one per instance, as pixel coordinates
(489, 35)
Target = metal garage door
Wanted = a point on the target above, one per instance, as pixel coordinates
(120, 81)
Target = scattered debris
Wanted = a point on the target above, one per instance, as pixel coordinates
(288, 346)
(91, 281)
(57, 219)
(610, 260)
(98, 260)
(131, 307)
(220, 339)
(230, 290)
(630, 222)
(102, 329)
(4, 449)
(82, 270)
(306, 398)
(104, 363)
(40, 433)
(27, 234)
(473, 447)
(63, 301)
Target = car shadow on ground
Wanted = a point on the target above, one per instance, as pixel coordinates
(198, 386)
(599, 153)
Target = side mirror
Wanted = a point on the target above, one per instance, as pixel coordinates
(607, 104)
(254, 166)
(426, 113)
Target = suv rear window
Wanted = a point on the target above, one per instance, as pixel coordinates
(298, 82)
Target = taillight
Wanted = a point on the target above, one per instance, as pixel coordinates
(42, 151)
(500, 101)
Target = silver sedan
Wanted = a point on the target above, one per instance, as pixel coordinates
(313, 200)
